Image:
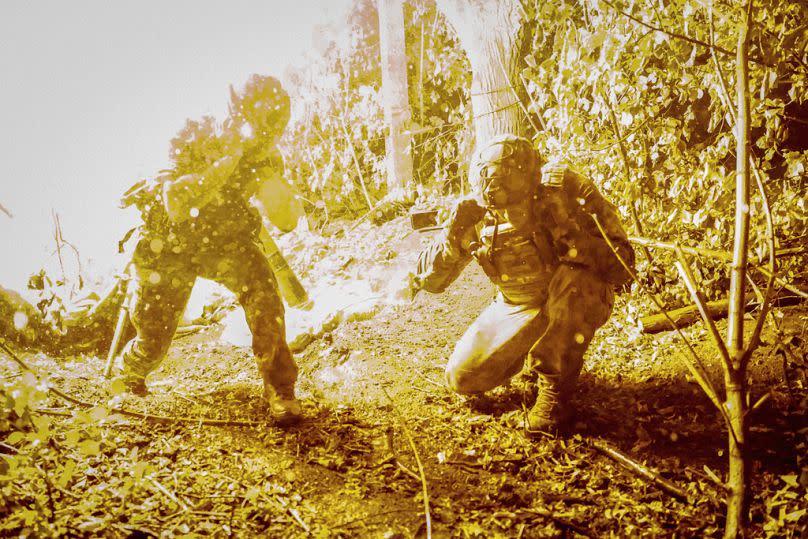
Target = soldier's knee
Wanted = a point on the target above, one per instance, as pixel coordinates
(463, 383)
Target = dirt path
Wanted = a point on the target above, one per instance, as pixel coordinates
(371, 380)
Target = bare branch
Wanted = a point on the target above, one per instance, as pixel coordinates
(698, 299)
(677, 35)
(696, 367)
(421, 473)
(641, 470)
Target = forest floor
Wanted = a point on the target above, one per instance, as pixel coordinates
(383, 438)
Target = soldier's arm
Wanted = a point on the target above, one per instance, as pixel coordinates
(446, 257)
(439, 265)
(275, 197)
(191, 191)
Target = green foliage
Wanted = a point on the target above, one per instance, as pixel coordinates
(644, 109)
(646, 115)
(439, 78)
(335, 146)
(42, 459)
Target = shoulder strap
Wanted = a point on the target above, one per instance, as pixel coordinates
(553, 174)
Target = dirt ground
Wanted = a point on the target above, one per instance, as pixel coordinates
(383, 437)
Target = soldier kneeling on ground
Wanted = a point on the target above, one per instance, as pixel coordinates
(537, 238)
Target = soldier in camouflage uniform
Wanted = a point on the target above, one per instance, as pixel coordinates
(198, 222)
(537, 239)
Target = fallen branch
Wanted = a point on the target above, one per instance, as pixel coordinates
(131, 413)
(8, 449)
(685, 316)
(165, 492)
(642, 471)
(682, 317)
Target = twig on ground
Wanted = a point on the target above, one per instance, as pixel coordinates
(168, 494)
(428, 379)
(643, 471)
(710, 474)
(394, 456)
(8, 449)
(425, 489)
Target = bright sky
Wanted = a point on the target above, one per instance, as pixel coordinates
(91, 93)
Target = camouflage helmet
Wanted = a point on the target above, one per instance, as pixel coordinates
(263, 104)
(506, 169)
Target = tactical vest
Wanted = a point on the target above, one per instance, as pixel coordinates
(220, 224)
(519, 262)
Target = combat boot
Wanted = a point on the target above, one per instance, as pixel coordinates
(283, 406)
(133, 382)
(551, 410)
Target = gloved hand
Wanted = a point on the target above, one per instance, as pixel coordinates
(464, 216)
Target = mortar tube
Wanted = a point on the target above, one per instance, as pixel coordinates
(291, 289)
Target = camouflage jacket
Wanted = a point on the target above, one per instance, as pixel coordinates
(216, 219)
(520, 261)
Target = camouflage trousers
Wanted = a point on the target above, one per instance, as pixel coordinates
(164, 283)
(549, 339)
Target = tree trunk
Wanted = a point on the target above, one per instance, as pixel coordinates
(495, 36)
(396, 97)
(735, 379)
(737, 482)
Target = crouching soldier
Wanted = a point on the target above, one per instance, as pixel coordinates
(199, 222)
(537, 238)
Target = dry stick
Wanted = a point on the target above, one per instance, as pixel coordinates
(49, 490)
(283, 503)
(712, 253)
(533, 102)
(355, 160)
(395, 458)
(168, 494)
(766, 300)
(635, 218)
(130, 413)
(57, 236)
(6, 211)
(427, 515)
(641, 470)
(698, 299)
(10, 448)
(696, 367)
